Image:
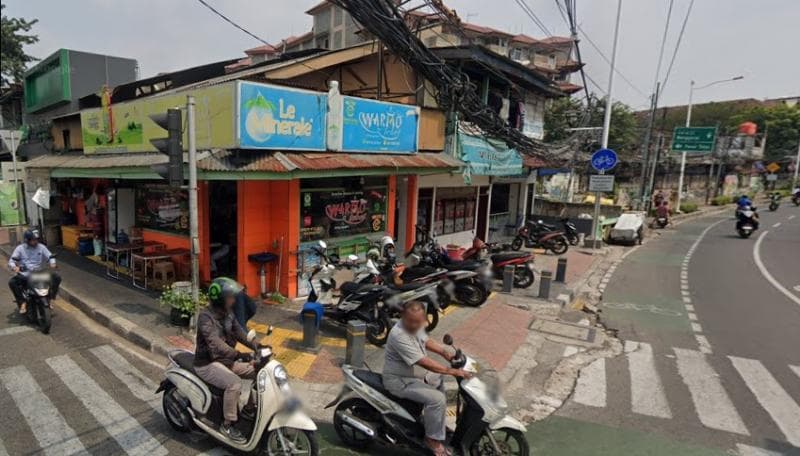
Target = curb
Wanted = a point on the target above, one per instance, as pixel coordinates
(121, 326)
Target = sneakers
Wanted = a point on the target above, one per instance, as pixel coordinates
(232, 433)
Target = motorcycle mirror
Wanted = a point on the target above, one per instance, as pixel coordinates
(352, 258)
(322, 244)
(270, 329)
(447, 339)
(251, 335)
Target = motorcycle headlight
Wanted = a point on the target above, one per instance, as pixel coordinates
(281, 376)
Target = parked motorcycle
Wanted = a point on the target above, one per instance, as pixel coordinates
(774, 201)
(270, 414)
(367, 413)
(36, 294)
(570, 231)
(796, 199)
(522, 262)
(540, 235)
(746, 221)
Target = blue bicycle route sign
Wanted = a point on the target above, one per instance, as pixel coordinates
(604, 160)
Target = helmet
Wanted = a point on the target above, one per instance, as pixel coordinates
(221, 288)
(387, 243)
(30, 235)
(373, 254)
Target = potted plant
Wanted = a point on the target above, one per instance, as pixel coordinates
(179, 298)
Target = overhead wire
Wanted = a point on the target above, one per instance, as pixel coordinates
(233, 23)
(677, 45)
(529, 12)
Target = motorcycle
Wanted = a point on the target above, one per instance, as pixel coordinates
(540, 235)
(357, 302)
(522, 262)
(746, 221)
(270, 414)
(796, 199)
(367, 413)
(570, 231)
(774, 201)
(36, 294)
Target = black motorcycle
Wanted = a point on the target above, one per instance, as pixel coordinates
(570, 231)
(36, 294)
(774, 201)
(746, 221)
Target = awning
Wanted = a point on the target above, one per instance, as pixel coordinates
(235, 165)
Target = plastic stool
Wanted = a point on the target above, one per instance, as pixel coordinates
(163, 273)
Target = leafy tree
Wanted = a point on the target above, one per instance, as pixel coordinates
(13, 36)
(781, 123)
(566, 113)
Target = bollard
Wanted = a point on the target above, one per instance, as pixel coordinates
(508, 278)
(544, 284)
(310, 331)
(561, 270)
(582, 239)
(354, 355)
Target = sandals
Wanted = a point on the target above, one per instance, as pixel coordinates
(23, 309)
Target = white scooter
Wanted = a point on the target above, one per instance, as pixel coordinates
(366, 413)
(270, 415)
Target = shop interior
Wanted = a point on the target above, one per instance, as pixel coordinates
(223, 228)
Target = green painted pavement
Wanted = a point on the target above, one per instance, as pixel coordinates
(647, 311)
(558, 435)
(655, 257)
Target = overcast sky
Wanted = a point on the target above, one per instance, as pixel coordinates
(723, 38)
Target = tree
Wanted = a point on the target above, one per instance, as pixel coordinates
(566, 113)
(781, 123)
(13, 36)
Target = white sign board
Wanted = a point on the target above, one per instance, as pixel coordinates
(772, 177)
(601, 183)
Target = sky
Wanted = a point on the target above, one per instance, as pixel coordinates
(723, 38)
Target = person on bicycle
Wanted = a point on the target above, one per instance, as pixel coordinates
(29, 256)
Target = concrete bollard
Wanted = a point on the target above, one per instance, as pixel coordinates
(310, 331)
(561, 270)
(544, 284)
(508, 278)
(582, 239)
(356, 334)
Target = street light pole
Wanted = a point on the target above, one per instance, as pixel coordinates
(193, 216)
(689, 124)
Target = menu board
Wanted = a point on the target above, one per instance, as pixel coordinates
(326, 214)
(163, 208)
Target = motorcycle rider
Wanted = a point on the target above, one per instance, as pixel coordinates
(743, 202)
(30, 255)
(407, 348)
(216, 359)
(662, 211)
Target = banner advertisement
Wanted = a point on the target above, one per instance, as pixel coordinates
(376, 126)
(272, 117)
(9, 204)
(162, 208)
(487, 157)
(127, 127)
(326, 214)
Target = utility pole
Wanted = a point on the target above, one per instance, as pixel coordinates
(606, 120)
(13, 143)
(193, 216)
(646, 148)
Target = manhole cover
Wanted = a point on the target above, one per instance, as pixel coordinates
(562, 329)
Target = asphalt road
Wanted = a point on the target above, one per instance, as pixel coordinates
(711, 325)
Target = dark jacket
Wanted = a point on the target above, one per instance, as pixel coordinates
(217, 335)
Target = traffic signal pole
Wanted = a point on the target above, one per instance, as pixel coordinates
(193, 217)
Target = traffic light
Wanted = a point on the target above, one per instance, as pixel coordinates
(171, 146)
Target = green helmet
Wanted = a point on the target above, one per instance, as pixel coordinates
(221, 288)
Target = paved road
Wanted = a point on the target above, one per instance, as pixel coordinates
(711, 325)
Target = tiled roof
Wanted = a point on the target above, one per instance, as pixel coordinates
(525, 39)
(569, 87)
(296, 39)
(243, 63)
(556, 40)
(265, 49)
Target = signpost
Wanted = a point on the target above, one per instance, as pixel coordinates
(691, 139)
(603, 160)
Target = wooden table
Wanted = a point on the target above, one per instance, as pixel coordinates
(112, 270)
(151, 257)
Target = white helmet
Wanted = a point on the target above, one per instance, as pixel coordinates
(386, 243)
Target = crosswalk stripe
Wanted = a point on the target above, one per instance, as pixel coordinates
(140, 385)
(772, 397)
(647, 392)
(713, 405)
(796, 370)
(54, 435)
(129, 434)
(14, 330)
(591, 386)
(747, 450)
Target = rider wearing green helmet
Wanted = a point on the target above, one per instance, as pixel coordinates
(216, 359)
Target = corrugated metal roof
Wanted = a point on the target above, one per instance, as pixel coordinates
(131, 160)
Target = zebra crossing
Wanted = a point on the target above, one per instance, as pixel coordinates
(708, 391)
(58, 432)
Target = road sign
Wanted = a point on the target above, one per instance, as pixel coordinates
(604, 160)
(694, 139)
(601, 183)
(773, 167)
(772, 177)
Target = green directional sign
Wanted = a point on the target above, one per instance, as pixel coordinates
(694, 139)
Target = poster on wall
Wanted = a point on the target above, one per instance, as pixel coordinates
(9, 204)
(272, 117)
(339, 213)
(162, 208)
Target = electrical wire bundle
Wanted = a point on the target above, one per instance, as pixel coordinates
(384, 20)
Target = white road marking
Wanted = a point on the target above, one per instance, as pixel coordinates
(776, 225)
(687, 299)
(591, 386)
(14, 330)
(713, 405)
(796, 288)
(689, 307)
(692, 316)
(696, 327)
(139, 384)
(685, 292)
(796, 370)
(647, 392)
(772, 397)
(747, 450)
(134, 439)
(790, 217)
(684, 275)
(54, 435)
(765, 272)
(705, 347)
